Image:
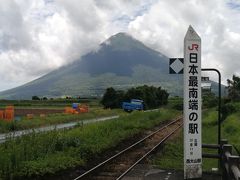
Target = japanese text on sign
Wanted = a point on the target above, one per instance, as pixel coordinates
(192, 105)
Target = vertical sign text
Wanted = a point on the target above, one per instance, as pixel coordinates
(192, 105)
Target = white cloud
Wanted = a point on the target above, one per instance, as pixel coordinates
(11, 37)
(166, 23)
(37, 36)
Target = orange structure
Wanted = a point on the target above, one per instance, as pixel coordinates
(7, 114)
(69, 110)
(83, 108)
(1, 114)
(76, 109)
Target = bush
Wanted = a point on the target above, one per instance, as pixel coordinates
(112, 98)
(178, 106)
(35, 98)
(44, 98)
(209, 99)
(176, 103)
(228, 109)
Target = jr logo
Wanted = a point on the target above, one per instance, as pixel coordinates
(194, 46)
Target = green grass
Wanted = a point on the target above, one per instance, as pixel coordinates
(231, 129)
(38, 154)
(52, 119)
(172, 155)
(175, 103)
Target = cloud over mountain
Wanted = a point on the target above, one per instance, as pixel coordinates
(38, 36)
(120, 62)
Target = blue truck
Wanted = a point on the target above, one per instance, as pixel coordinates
(135, 104)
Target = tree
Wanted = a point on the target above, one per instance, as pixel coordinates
(209, 99)
(35, 98)
(162, 96)
(112, 98)
(234, 88)
(45, 98)
(153, 97)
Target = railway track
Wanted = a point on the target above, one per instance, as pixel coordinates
(117, 166)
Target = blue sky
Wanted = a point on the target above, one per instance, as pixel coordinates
(38, 36)
(234, 4)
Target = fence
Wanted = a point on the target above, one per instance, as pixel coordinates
(230, 163)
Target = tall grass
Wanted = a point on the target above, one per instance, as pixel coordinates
(230, 130)
(49, 152)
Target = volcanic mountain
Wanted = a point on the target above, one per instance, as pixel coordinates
(120, 62)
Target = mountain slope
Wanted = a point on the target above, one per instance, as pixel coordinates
(119, 54)
(121, 62)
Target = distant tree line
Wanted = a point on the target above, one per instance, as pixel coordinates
(153, 97)
(38, 98)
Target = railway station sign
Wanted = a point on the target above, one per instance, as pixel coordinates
(192, 106)
(175, 65)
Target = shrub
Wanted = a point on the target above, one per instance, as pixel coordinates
(176, 103)
(209, 99)
(35, 98)
(228, 109)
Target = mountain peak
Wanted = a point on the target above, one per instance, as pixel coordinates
(121, 34)
(123, 41)
(119, 55)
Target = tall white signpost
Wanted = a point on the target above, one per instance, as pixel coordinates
(192, 106)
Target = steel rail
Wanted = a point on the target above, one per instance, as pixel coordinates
(146, 154)
(121, 152)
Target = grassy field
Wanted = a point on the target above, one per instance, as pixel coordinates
(39, 154)
(231, 129)
(52, 119)
(172, 155)
(96, 111)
